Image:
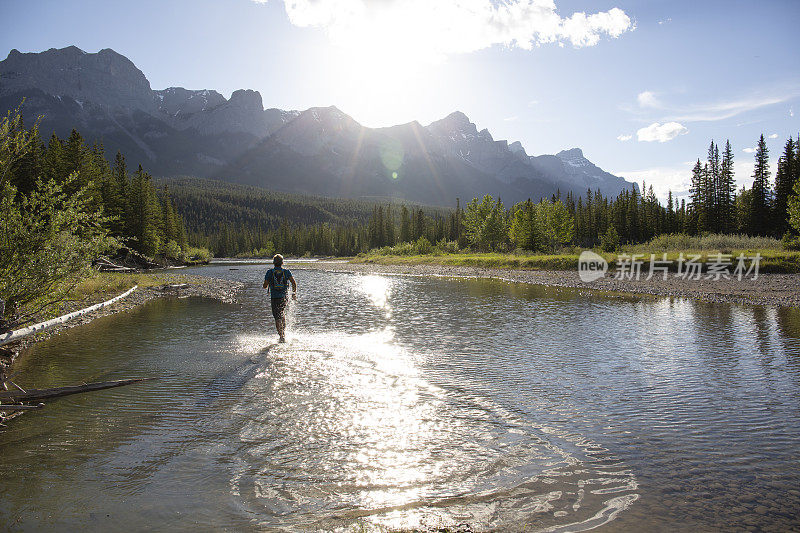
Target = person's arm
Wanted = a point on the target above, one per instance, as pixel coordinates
(294, 287)
(266, 283)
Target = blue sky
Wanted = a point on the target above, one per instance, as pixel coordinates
(641, 86)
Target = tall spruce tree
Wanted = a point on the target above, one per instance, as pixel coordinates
(712, 187)
(726, 191)
(697, 208)
(761, 192)
(784, 183)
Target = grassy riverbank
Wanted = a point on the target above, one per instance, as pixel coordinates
(774, 257)
(102, 286)
(774, 261)
(104, 283)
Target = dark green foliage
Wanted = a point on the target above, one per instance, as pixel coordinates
(50, 230)
(243, 220)
(762, 192)
(130, 206)
(609, 242)
(726, 192)
(785, 180)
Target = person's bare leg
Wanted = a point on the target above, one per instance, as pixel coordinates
(281, 325)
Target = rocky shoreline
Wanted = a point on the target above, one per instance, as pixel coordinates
(781, 290)
(169, 285)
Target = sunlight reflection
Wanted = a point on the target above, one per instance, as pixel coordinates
(377, 289)
(344, 431)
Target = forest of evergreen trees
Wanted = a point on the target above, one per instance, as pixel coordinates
(163, 218)
(296, 226)
(137, 214)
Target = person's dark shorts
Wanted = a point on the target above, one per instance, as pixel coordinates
(278, 307)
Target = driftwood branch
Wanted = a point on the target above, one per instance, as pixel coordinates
(33, 395)
(4, 407)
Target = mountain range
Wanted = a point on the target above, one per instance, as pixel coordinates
(320, 151)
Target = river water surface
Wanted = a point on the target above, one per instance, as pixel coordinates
(413, 402)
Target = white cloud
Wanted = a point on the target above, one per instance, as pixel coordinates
(711, 112)
(791, 111)
(437, 29)
(661, 132)
(748, 150)
(648, 99)
(624, 138)
(511, 119)
(773, 136)
(665, 21)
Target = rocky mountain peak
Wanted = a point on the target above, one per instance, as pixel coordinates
(183, 131)
(105, 78)
(247, 98)
(573, 157)
(517, 148)
(177, 101)
(572, 153)
(456, 126)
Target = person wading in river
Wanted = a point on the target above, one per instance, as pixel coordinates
(277, 282)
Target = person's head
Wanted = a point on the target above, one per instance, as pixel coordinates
(277, 260)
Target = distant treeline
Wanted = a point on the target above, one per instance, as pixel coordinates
(233, 220)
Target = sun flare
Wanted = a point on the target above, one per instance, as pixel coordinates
(383, 82)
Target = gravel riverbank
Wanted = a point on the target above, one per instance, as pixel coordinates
(768, 289)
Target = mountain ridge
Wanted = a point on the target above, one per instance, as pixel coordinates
(321, 150)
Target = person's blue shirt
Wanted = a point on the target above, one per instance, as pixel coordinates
(278, 280)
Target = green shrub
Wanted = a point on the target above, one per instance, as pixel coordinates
(609, 242)
(197, 255)
(423, 246)
(790, 242)
(447, 247)
(709, 241)
(172, 250)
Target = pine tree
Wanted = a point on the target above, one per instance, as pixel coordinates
(760, 207)
(670, 226)
(405, 225)
(390, 229)
(726, 191)
(712, 188)
(697, 208)
(30, 165)
(744, 207)
(784, 183)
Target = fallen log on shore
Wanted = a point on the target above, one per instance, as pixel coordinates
(32, 395)
(104, 265)
(12, 336)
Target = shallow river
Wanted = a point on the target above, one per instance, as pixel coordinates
(411, 402)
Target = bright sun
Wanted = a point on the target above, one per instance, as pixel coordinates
(382, 85)
(383, 71)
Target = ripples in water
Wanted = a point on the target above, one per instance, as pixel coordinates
(348, 431)
(411, 402)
